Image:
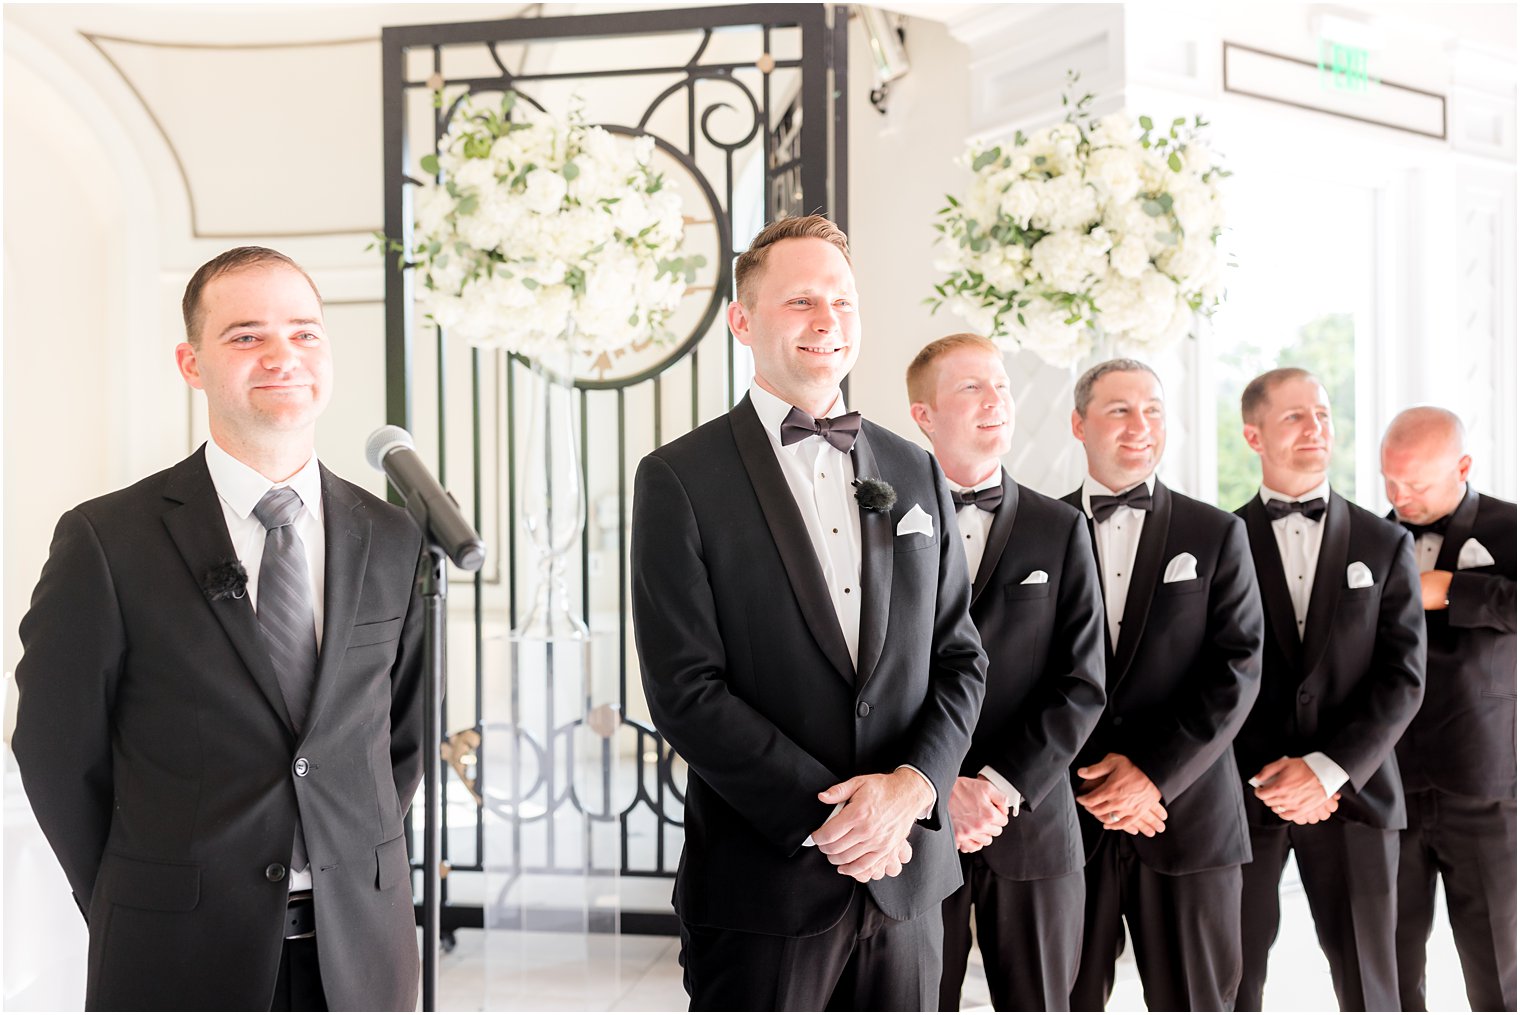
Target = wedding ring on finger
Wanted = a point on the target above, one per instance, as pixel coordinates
(1113, 816)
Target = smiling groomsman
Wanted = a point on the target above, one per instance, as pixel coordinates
(1343, 672)
(1458, 755)
(1036, 604)
(1164, 827)
(806, 646)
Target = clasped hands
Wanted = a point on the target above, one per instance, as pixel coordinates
(1122, 797)
(868, 838)
(978, 812)
(1290, 787)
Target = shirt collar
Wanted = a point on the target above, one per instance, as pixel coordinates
(773, 412)
(242, 487)
(1091, 488)
(1322, 491)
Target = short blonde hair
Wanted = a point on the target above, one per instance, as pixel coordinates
(811, 227)
(1256, 395)
(921, 376)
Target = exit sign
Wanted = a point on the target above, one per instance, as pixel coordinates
(1344, 68)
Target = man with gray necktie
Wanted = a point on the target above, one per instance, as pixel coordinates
(219, 723)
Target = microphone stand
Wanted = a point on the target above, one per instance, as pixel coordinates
(434, 586)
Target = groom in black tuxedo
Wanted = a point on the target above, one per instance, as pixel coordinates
(219, 725)
(1457, 757)
(1162, 816)
(1343, 672)
(1036, 604)
(800, 607)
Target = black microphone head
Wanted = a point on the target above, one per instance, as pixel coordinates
(382, 442)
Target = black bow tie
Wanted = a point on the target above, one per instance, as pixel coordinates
(839, 431)
(1438, 527)
(987, 500)
(1313, 510)
(1137, 497)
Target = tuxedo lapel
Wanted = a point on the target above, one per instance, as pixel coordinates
(1329, 580)
(790, 536)
(997, 536)
(876, 551)
(199, 531)
(1142, 583)
(1458, 531)
(346, 529)
(1272, 581)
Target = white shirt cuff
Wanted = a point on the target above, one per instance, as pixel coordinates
(933, 794)
(1003, 786)
(837, 808)
(1330, 775)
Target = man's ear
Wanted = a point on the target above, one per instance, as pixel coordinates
(1464, 466)
(1077, 430)
(738, 322)
(189, 365)
(921, 414)
(1252, 434)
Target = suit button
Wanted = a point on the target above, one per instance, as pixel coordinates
(275, 872)
(1304, 697)
(302, 766)
(1118, 720)
(863, 709)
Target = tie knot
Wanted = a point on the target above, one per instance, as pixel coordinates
(278, 507)
(1313, 509)
(1136, 497)
(987, 500)
(839, 431)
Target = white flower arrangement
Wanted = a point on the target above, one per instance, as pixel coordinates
(1087, 231)
(536, 224)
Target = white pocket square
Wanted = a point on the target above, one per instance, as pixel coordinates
(1036, 578)
(916, 520)
(1473, 554)
(1183, 567)
(1358, 575)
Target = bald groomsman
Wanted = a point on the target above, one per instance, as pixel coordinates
(1036, 604)
(1458, 755)
(1342, 674)
(1164, 827)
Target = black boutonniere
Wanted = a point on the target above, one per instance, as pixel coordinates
(226, 580)
(875, 494)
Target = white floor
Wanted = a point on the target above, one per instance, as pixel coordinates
(557, 972)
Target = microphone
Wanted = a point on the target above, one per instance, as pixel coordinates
(390, 450)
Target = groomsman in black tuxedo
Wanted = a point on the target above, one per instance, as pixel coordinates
(1342, 675)
(800, 603)
(1036, 604)
(1164, 826)
(1458, 755)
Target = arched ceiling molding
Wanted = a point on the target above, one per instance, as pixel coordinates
(269, 139)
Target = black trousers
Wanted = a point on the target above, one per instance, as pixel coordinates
(865, 962)
(298, 987)
(1349, 874)
(1185, 929)
(1030, 934)
(1471, 843)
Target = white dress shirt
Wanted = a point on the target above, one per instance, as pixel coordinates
(1117, 540)
(240, 488)
(1298, 543)
(975, 524)
(822, 481)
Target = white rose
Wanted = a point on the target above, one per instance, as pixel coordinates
(1020, 201)
(1128, 257)
(1115, 172)
(545, 192)
(1067, 260)
(1065, 202)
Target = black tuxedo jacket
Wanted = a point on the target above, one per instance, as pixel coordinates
(748, 675)
(1462, 740)
(158, 755)
(1045, 645)
(1351, 685)
(1181, 681)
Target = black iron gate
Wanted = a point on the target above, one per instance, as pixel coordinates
(746, 106)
